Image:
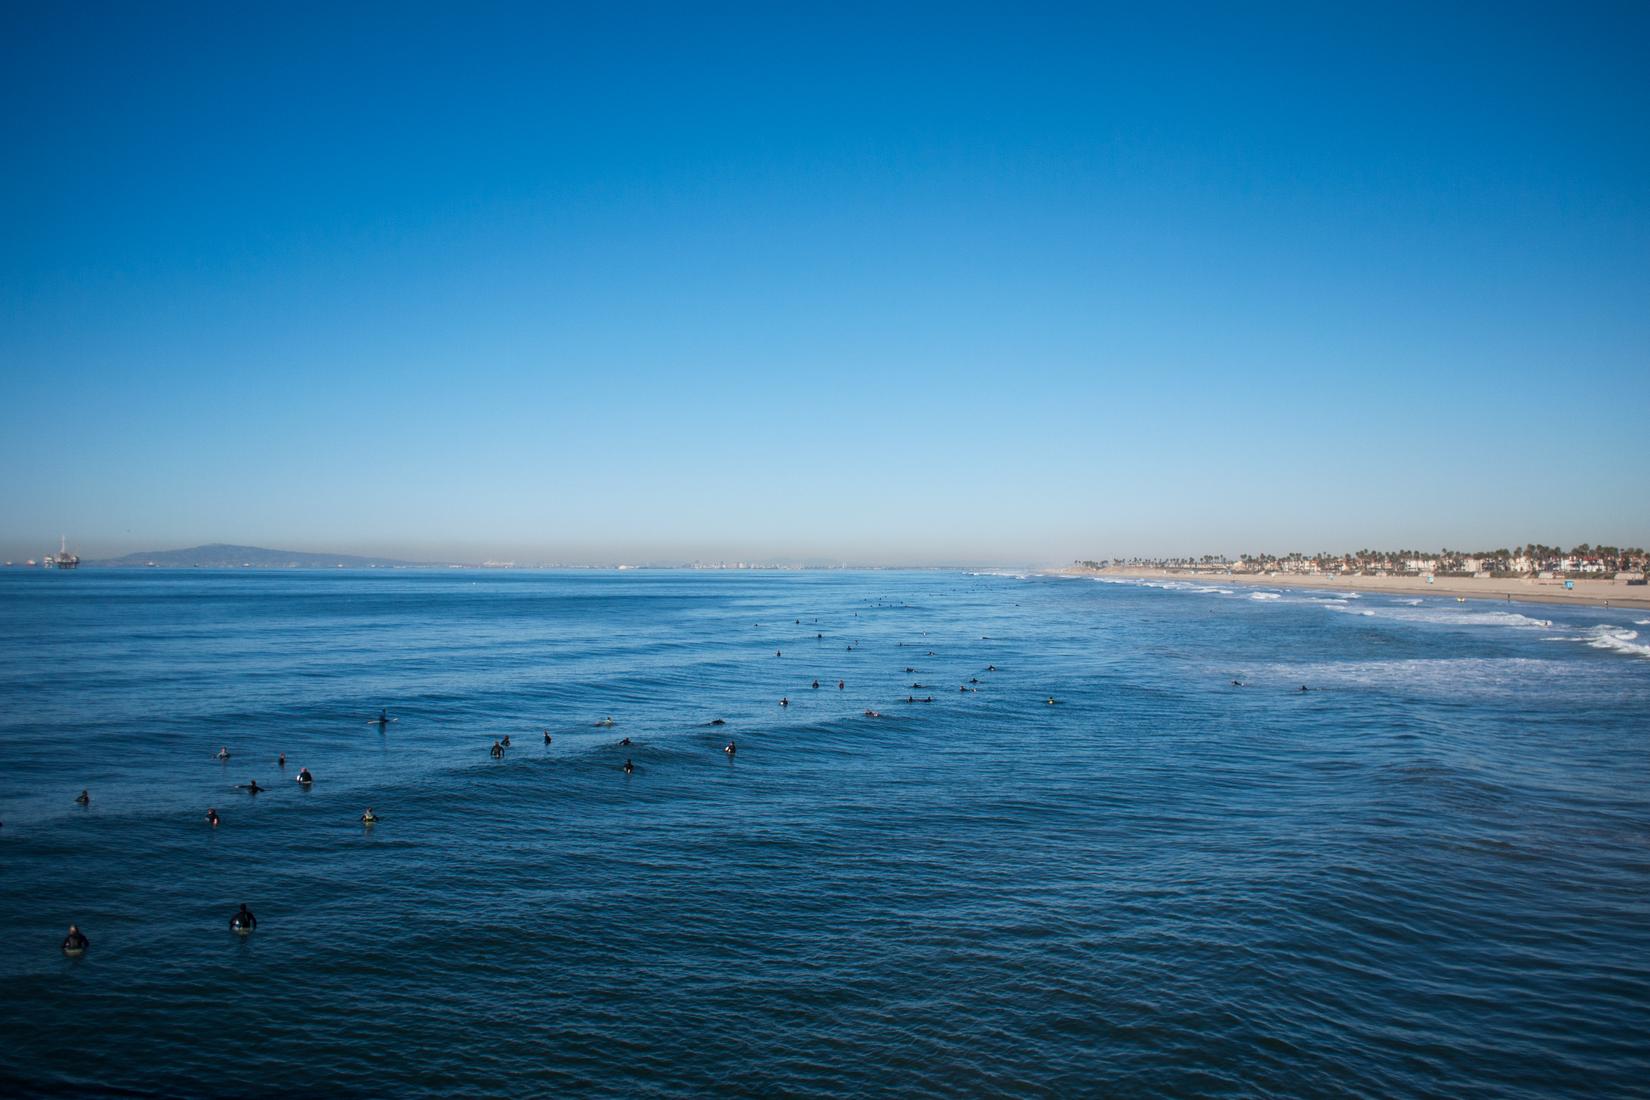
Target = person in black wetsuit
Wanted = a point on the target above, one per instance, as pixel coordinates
(624, 742)
(280, 761)
(252, 787)
(730, 748)
(75, 942)
(383, 717)
(369, 818)
(212, 816)
(506, 741)
(784, 702)
(816, 683)
(243, 921)
(84, 798)
(497, 750)
(546, 737)
(223, 753)
(304, 777)
(840, 684)
(628, 766)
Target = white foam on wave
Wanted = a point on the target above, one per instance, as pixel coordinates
(1447, 616)
(1265, 595)
(1618, 639)
(1641, 622)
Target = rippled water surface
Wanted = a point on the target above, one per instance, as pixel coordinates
(1427, 875)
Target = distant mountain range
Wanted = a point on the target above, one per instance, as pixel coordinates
(221, 556)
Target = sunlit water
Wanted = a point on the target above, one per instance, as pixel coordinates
(1429, 874)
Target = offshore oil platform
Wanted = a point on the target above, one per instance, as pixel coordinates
(62, 559)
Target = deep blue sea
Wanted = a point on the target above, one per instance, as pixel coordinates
(1428, 875)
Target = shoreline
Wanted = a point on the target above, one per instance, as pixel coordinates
(1496, 590)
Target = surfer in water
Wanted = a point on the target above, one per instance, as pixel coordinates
(75, 942)
(369, 818)
(383, 717)
(784, 701)
(1051, 700)
(252, 787)
(628, 766)
(497, 750)
(624, 742)
(730, 748)
(304, 777)
(223, 753)
(718, 721)
(212, 816)
(84, 798)
(243, 921)
(280, 761)
(546, 737)
(840, 684)
(506, 741)
(816, 685)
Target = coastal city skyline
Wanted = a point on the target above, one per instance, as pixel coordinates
(938, 285)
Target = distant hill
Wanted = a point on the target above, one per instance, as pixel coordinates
(221, 556)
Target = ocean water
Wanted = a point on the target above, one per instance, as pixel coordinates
(1427, 875)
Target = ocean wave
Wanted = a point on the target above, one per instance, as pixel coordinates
(1431, 677)
(1614, 637)
(1641, 622)
(1448, 616)
(1265, 595)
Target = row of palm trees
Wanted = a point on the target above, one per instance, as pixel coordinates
(1533, 556)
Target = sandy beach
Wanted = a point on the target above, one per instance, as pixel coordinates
(1611, 593)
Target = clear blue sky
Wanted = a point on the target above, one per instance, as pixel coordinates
(949, 283)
